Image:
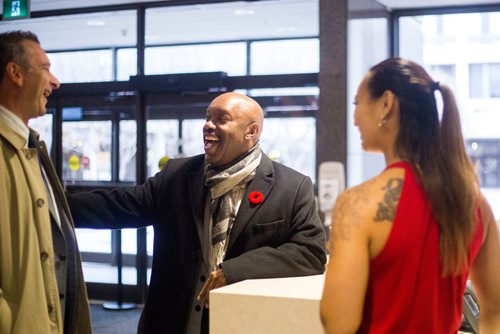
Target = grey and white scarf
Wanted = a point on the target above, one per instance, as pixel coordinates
(224, 206)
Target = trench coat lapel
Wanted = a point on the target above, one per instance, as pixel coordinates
(263, 182)
(53, 179)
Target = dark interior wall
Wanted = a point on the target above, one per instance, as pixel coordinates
(331, 127)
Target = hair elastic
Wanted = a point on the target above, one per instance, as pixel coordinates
(434, 85)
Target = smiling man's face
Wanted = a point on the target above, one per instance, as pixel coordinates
(230, 130)
(38, 81)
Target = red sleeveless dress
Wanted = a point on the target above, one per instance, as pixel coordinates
(406, 292)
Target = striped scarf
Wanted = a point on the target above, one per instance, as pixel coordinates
(222, 184)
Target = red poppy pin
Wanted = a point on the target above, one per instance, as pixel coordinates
(255, 197)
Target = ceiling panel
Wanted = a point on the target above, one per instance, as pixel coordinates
(176, 24)
(39, 5)
(185, 24)
(232, 21)
(403, 4)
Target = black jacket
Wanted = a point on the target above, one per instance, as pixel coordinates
(280, 237)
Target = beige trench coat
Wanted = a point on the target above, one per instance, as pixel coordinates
(29, 299)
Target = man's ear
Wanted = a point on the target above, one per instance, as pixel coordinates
(15, 73)
(252, 131)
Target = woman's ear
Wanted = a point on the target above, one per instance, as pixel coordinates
(390, 102)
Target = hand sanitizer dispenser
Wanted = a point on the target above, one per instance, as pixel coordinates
(331, 183)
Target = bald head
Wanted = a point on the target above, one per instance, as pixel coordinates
(233, 126)
(239, 103)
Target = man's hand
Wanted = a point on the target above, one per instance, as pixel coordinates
(214, 281)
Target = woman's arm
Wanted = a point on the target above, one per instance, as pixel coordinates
(485, 274)
(348, 267)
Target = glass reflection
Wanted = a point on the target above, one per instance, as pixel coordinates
(192, 136)
(367, 45)
(43, 125)
(163, 139)
(292, 142)
(86, 151)
(128, 149)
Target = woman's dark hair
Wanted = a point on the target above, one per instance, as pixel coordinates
(436, 151)
(11, 48)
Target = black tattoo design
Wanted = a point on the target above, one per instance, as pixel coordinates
(387, 209)
(348, 212)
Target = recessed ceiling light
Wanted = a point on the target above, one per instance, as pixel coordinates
(287, 29)
(95, 23)
(241, 12)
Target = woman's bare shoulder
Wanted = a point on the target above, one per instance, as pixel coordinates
(375, 199)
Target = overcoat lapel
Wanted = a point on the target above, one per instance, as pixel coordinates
(197, 195)
(52, 179)
(263, 182)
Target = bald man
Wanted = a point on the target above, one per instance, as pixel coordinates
(226, 216)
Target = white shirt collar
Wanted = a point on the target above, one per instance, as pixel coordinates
(15, 123)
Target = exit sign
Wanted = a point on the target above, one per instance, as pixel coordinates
(16, 9)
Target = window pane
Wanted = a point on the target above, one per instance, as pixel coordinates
(90, 240)
(484, 80)
(226, 57)
(494, 22)
(192, 136)
(453, 25)
(129, 241)
(367, 45)
(75, 33)
(86, 151)
(291, 141)
(288, 56)
(494, 72)
(476, 81)
(486, 157)
(163, 139)
(128, 147)
(43, 125)
(80, 31)
(82, 66)
(126, 64)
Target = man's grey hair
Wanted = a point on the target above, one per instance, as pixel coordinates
(11, 48)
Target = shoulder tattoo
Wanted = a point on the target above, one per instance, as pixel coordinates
(387, 208)
(348, 212)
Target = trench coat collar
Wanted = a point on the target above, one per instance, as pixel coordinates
(14, 136)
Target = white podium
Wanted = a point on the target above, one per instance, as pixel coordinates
(277, 305)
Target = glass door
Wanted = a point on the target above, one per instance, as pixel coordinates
(99, 143)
